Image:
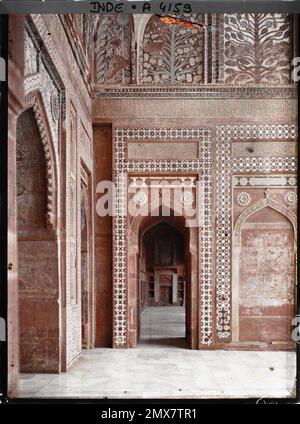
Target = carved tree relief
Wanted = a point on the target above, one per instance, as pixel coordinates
(172, 54)
(257, 48)
(113, 46)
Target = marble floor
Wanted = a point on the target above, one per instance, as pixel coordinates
(161, 367)
(163, 326)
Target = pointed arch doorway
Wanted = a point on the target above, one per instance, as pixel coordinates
(163, 282)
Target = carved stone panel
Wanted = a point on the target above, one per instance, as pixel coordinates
(172, 53)
(257, 48)
(113, 46)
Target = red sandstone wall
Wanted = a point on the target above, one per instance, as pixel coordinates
(15, 105)
(51, 325)
(103, 240)
(76, 149)
(139, 111)
(266, 278)
(39, 308)
(38, 255)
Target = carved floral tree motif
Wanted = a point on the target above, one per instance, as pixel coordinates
(113, 45)
(172, 53)
(257, 48)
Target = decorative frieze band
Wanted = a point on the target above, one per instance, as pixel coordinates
(50, 165)
(199, 91)
(261, 132)
(160, 134)
(272, 181)
(187, 166)
(264, 164)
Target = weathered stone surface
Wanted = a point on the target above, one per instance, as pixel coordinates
(267, 282)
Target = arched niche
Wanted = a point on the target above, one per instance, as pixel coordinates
(263, 289)
(267, 202)
(35, 103)
(31, 175)
(38, 258)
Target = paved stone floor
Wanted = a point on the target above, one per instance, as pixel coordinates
(162, 368)
(163, 326)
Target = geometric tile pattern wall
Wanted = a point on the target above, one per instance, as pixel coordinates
(225, 167)
(121, 166)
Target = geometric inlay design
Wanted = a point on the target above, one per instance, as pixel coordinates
(223, 236)
(225, 167)
(290, 198)
(264, 164)
(275, 181)
(243, 198)
(121, 165)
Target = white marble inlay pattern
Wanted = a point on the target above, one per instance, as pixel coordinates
(122, 136)
(225, 167)
(274, 181)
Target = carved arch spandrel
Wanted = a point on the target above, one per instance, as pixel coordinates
(35, 101)
(267, 202)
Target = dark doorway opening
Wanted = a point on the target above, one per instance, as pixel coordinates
(163, 281)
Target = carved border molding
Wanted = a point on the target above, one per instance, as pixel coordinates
(121, 138)
(50, 171)
(225, 168)
(264, 164)
(259, 181)
(198, 91)
(187, 166)
(45, 59)
(39, 32)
